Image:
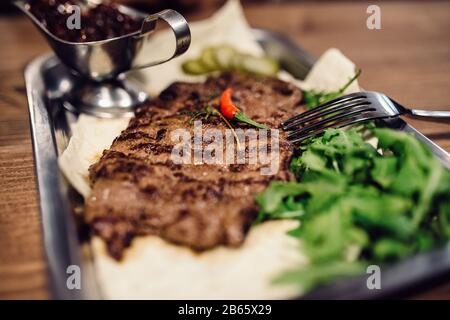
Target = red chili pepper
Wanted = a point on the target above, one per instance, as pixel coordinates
(230, 111)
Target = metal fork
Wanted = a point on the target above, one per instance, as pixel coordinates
(351, 109)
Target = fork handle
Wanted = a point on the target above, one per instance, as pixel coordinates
(438, 116)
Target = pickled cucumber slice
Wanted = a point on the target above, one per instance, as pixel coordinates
(258, 65)
(194, 67)
(209, 60)
(236, 61)
(224, 56)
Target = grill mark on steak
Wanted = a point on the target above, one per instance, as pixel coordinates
(160, 134)
(133, 135)
(138, 190)
(152, 148)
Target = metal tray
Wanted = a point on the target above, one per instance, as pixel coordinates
(50, 130)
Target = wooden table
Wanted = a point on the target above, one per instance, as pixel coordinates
(408, 59)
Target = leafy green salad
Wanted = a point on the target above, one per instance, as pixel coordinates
(358, 204)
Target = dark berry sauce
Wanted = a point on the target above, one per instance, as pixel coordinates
(104, 21)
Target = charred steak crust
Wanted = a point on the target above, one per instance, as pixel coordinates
(138, 190)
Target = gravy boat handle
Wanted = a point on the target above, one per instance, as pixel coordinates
(180, 29)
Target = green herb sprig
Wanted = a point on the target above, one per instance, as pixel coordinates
(314, 98)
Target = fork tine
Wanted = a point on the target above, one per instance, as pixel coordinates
(360, 118)
(328, 104)
(343, 107)
(334, 119)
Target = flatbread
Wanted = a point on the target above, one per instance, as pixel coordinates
(155, 269)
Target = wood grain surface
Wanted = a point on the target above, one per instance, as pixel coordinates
(408, 59)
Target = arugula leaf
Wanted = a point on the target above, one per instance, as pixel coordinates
(384, 170)
(309, 277)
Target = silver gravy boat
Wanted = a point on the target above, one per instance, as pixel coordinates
(100, 86)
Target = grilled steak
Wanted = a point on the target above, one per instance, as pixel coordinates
(138, 189)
